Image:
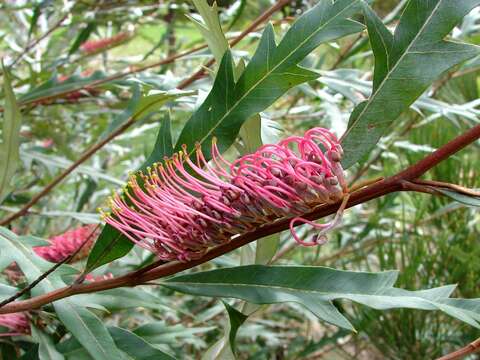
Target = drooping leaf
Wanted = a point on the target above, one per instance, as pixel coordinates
(272, 71)
(9, 148)
(135, 346)
(408, 62)
(224, 348)
(461, 198)
(86, 327)
(159, 332)
(315, 288)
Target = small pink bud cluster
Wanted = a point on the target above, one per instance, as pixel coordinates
(64, 245)
(185, 206)
(94, 46)
(17, 324)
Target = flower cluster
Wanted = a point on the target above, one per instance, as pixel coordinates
(64, 245)
(17, 324)
(183, 206)
(94, 46)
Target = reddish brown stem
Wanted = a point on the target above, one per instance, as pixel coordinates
(398, 182)
(471, 348)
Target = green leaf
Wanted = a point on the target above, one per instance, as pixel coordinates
(272, 71)
(407, 62)
(110, 245)
(9, 148)
(82, 37)
(163, 144)
(87, 328)
(224, 348)
(211, 29)
(135, 346)
(53, 87)
(122, 298)
(459, 197)
(315, 288)
(46, 349)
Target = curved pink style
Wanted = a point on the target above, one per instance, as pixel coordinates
(17, 324)
(186, 205)
(64, 245)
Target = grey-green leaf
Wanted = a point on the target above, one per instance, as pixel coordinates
(315, 288)
(461, 198)
(9, 148)
(407, 64)
(46, 347)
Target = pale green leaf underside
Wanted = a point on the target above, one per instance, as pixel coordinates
(316, 287)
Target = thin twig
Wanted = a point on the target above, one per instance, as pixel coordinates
(376, 190)
(471, 348)
(39, 40)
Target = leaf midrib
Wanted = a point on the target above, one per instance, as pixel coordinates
(284, 288)
(268, 73)
(385, 80)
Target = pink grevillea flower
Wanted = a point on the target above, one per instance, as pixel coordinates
(184, 205)
(17, 324)
(94, 46)
(66, 244)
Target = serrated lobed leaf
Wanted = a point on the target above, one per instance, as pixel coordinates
(409, 61)
(272, 71)
(316, 287)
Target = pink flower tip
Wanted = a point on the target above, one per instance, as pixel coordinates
(188, 204)
(64, 245)
(16, 323)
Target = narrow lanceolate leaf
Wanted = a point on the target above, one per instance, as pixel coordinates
(272, 71)
(9, 148)
(469, 200)
(316, 287)
(224, 348)
(46, 347)
(136, 347)
(86, 327)
(406, 63)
